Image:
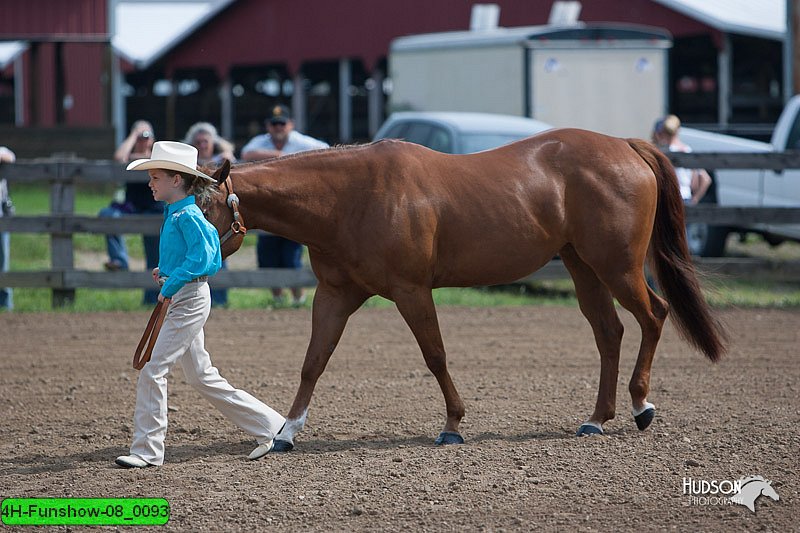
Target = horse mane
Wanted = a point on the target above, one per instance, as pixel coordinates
(338, 148)
(750, 479)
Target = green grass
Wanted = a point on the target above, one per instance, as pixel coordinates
(733, 293)
(32, 252)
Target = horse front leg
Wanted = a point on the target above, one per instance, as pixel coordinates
(331, 308)
(416, 306)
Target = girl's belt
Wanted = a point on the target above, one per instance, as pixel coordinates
(198, 279)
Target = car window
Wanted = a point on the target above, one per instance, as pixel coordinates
(397, 131)
(793, 142)
(418, 132)
(476, 142)
(440, 140)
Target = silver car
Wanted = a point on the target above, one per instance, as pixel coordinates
(458, 133)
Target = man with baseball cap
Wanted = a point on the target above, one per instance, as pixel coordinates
(281, 138)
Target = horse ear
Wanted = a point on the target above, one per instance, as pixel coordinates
(221, 174)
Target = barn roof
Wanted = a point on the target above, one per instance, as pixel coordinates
(146, 29)
(9, 50)
(764, 18)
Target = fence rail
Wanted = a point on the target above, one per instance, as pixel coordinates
(62, 223)
(73, 279)
(739, 160)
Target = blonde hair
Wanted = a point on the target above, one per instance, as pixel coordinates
(201, 188)
(671, 125)
(220, 144)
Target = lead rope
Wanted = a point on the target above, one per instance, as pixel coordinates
(150, 334)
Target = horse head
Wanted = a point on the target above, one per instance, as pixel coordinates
(770, 492)
(751, 488)
(221, 208)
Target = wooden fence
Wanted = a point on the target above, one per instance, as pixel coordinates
(62, 223)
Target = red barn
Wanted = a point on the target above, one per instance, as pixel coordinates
(56, 83)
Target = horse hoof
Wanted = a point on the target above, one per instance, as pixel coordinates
(449, 437)
(644, 418)
(282, 446)
(587, 430)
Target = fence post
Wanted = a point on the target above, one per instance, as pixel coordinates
(62, 202)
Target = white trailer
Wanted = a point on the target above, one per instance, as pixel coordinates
(604, 77)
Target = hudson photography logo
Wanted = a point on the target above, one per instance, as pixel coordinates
(744, 491)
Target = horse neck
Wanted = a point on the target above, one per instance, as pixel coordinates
(291, 198)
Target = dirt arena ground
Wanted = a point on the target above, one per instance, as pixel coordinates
(366, 461)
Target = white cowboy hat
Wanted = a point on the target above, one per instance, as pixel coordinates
(171, 155)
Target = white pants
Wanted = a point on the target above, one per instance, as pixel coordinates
(181, 339)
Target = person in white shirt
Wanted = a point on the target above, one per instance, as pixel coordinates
(281, 138)
(693, 182)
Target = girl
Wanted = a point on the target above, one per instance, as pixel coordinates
(189, 252)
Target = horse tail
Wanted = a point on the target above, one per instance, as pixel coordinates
(672, 262)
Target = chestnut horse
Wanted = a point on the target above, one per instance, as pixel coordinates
(397, 220)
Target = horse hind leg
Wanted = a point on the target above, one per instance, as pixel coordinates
(643, 411)
(629, 287)
(417, 308)
(331, 309)
(597, 305)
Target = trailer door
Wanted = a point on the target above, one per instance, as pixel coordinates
(614, 90)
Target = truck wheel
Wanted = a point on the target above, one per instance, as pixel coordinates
(705, 240)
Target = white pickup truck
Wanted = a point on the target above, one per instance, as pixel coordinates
(751, 187)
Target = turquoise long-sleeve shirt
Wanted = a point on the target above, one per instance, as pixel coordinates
(189, 246)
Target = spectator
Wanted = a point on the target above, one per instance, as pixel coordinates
(6, 209)
(138, 200)
(273, 251)
(212, 150)
(693, 182)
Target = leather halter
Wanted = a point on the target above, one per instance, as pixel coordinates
(237, 226)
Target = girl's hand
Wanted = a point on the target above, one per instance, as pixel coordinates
(155, 274)
(160, 297)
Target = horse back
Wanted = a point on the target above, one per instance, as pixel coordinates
(501, 214)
